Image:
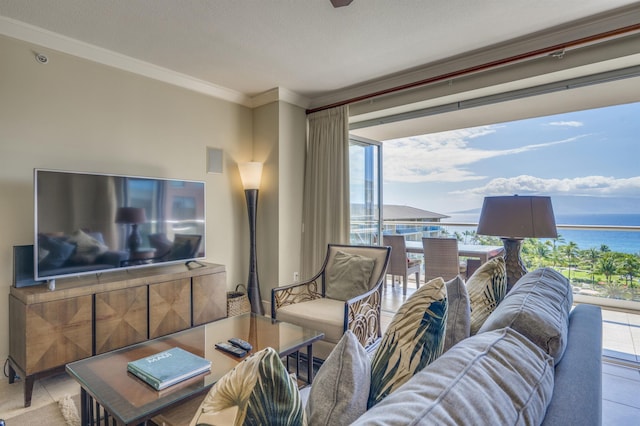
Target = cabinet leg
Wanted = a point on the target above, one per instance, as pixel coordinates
(12, 374)
(28, 390)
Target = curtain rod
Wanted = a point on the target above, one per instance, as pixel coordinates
(561, 47)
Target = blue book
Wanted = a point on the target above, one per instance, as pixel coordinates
(168, 367)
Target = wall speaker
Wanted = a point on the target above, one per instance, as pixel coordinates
(215, 158)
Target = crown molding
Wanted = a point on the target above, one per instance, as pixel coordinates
(280, 94)
(35, 35)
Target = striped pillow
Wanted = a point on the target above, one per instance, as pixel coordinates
(414, 339)
(262, 390)
(486, 288)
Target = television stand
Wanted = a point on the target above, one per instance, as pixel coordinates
(90, 315)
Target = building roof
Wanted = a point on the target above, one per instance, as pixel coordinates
(396, 212)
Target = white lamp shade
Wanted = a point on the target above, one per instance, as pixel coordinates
(251, 174)
(517, 217)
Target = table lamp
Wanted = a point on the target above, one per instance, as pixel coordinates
(514, 218)
(251, 174)
(132, 216)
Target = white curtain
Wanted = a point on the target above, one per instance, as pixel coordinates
(326, 202)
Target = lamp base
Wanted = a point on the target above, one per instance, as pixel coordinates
(135, 239)
(513, 262)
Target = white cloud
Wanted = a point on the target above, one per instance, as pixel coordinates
(566, 123)
(587, 185)
(445, 156)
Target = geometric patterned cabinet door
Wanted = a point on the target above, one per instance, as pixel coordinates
(87, 315)
(121, 318)
(169, 307)
(58, 332)
(209, 298)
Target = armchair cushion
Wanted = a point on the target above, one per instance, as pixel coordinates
(413, 340)
(348, 276)
(325, 315)
(261, 388)
(341, 388)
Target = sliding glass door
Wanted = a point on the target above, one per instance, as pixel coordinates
(365, 180)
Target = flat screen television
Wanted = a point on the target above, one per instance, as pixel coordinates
(87, 223)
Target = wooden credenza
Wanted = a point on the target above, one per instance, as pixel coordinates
(93, 314)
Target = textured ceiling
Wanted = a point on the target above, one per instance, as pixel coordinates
(306, 46)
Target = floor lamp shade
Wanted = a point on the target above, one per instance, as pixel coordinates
(514, 218)
(251, 173)
(518, 217)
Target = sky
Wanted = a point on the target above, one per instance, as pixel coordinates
(592, 153)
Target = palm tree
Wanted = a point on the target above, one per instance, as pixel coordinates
(591, 256)
(570, 252)
(607, 266)
(629, 266)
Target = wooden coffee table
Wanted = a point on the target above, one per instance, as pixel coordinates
(110, 394)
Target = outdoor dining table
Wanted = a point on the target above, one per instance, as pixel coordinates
(481, 252)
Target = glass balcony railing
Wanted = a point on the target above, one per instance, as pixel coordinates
(601, 261)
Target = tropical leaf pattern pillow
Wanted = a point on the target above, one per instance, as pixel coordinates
(486, 288)
(413, 340)
(261, 388)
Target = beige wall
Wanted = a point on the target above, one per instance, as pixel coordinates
(73, 114)
(279, 141)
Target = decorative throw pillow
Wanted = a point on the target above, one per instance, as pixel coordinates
(261, 388)
(414, 339)
(87, 247)
(348, 276)
(538, 306)
(58, 251)
(340, 390)
(458, 313)
(486, 287)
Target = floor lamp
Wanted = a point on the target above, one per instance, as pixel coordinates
(514, 218)
(251, 174)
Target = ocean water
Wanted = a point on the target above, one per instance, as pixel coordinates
(620, 241)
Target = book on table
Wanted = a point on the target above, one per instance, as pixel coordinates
(168, 367)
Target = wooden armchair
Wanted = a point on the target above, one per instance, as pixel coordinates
(317, 302)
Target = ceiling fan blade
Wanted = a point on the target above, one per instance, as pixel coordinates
(340, 3)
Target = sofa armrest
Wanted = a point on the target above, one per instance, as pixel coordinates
(577, 390)
(294, 293)
(362, 316)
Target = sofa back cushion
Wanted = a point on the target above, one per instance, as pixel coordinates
(494, 378)
(537, 306)
(414, 339)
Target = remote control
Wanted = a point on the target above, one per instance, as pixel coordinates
(240, 343)
(230, 349)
